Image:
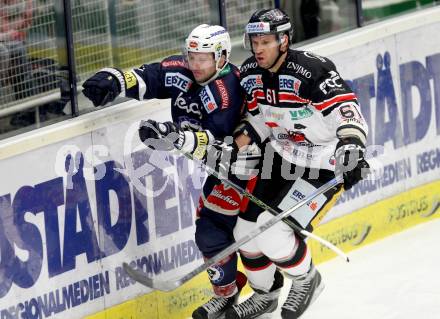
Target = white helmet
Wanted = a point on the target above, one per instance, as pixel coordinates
(210, 39)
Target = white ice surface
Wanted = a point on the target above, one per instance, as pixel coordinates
(395, 278)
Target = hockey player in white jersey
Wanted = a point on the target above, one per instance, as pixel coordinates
(301, 113)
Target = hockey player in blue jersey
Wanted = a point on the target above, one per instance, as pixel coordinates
(206, 105)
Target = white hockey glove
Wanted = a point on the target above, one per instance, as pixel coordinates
(246, 162)
(195, 143)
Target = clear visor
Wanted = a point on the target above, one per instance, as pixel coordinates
(261, 41)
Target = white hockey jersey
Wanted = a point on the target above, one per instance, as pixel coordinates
(304, 108)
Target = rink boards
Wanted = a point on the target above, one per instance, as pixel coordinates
(80, 197)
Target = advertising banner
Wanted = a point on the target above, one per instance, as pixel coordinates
(73, 211)
(397, 82)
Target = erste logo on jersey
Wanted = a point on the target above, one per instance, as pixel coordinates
(297, 195)
(251, 82)
(289, 83)
(177, 80)
(208, 100)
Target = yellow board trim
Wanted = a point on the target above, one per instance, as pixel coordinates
(349, 232)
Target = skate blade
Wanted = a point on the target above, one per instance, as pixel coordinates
(318, 291)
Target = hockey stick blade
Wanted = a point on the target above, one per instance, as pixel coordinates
(142, 278)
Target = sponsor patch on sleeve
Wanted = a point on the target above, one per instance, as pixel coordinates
(177, 80)
(173, 63)
(130, 79)
(208, 100)
(223, 93)
(251, 82)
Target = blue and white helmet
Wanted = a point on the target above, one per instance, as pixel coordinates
(214, 39)
(209, 38)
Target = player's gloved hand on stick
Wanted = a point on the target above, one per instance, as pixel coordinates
(350, 161)
(155, 130)
(195, 143)
(103, 87)
(246, 160)
(158, 135)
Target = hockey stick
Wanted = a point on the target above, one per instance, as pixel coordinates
(251, 197)
(268, 208)
(140, 276)
(167, 285)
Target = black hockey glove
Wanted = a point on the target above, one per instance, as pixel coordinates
(153, 134)
(350, 161)
(101, 88)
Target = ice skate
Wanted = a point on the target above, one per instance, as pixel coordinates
(259, 303)
(215, 307)
(304, 290)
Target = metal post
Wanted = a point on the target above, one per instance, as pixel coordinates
(222, 13)
(70, 57)
(359, 14)
(111, 10)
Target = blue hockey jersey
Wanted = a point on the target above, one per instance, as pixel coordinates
(216, 106)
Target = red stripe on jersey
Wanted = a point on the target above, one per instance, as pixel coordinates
(271, 124)
(258, 93)
(291, 97)
(250, 186)
(223, 92)
(339, 98)
(252, 105)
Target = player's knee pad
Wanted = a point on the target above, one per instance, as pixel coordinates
(261, 279)
(299, 263)
(210, 239)
(276, 242)
(241, 229)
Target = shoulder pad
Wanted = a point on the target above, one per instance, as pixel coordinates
(309, 64)
(315, 61)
